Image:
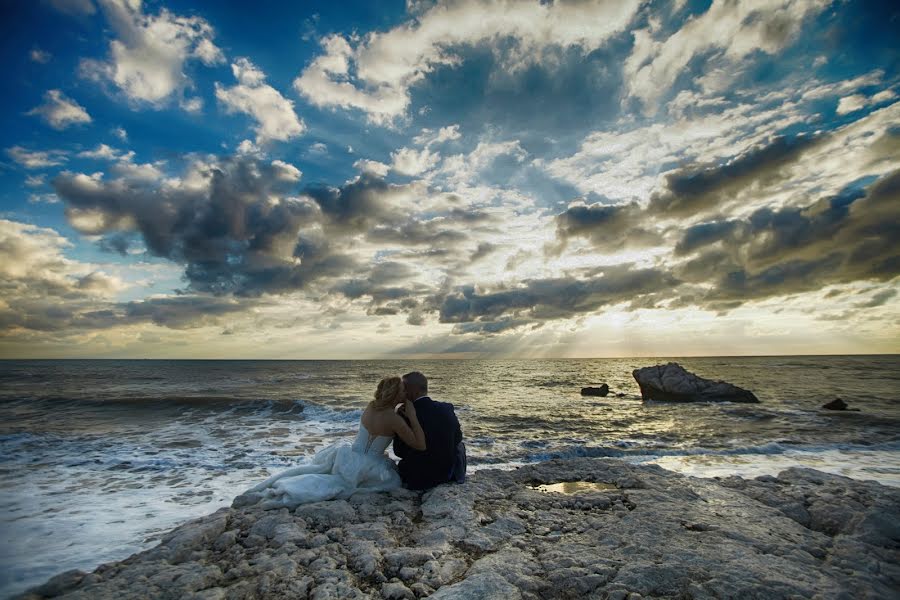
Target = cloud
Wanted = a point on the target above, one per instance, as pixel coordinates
(775, 252)
(610, 227)
(286, 171)
(376, 74)
(39, 56)
(728, 31)
(445, 134)
(102, 151)
(41, 289)
(483, 249)
(183, 312)
(36, 159)
(553, 298)
(146, 61)
(409, 161)
(372, 166)
(878, 299)
(855, 102)
(274, 114)
(60, 111)
(360, 204)
(231, 222)
(694, 190)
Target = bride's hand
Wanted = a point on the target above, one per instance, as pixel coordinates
(409, 408)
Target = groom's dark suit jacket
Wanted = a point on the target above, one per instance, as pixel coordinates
(423, 469)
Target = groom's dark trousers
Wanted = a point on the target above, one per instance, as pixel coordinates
(444, 457)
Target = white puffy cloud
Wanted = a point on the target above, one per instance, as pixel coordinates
(444, 134)
(60, 111)
(208, 53)
(192, 105)
(385, 65)
(464, 169)
(409, 161)
(734, 30)
(120, 133)
(146, 61)
(102, 151)
(855, 102)
(36, 159)
(284, 171)
(274, 114)
(372, 166)
(247, 147)
(318, 148)
(34, 180)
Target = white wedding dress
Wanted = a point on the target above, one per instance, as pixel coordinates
(336, 471)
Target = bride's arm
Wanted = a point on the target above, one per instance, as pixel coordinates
(412, 434)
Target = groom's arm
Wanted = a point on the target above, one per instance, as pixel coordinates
(454, 426)
(400, 447)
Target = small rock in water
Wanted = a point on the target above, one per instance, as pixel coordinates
(595, 391)
(838, 404)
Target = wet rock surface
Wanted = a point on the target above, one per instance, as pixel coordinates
(673, 383)
(647, 533)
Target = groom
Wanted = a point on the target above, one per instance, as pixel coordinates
(444, 457)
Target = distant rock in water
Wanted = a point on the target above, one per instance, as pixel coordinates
(672, 383)
(838, 404)
(595, 391)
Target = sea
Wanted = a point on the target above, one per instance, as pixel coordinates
(98, 458)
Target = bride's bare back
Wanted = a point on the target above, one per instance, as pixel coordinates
(380, 422)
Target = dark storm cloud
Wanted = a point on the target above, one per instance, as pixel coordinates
(358, 205)
(489, 328)
(776, 252)
(609, 226)
(556, 298)
(72, 313)
(483, 249)
(236, 231)
(117, 244)
(183, 312)
(695, 190)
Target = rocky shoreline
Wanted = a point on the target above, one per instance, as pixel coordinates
(647, 533)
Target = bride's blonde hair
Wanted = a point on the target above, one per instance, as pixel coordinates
(389, 393)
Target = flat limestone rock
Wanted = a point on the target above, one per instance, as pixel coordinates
(673, 383)
(640, 532)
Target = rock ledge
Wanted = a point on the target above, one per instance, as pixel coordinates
(650, 534)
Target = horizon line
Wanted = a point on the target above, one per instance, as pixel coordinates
(449, 357)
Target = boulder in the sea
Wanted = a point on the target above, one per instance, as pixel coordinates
(838, 404)
(673, 383)
(595, 391)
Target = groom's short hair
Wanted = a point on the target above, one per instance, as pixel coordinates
(417, 379)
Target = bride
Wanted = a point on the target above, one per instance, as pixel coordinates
(342, 469)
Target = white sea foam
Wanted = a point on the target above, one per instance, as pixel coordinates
(882, 466)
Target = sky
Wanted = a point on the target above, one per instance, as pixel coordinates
(449, 179)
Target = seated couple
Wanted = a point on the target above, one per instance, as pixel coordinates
(426, 437)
